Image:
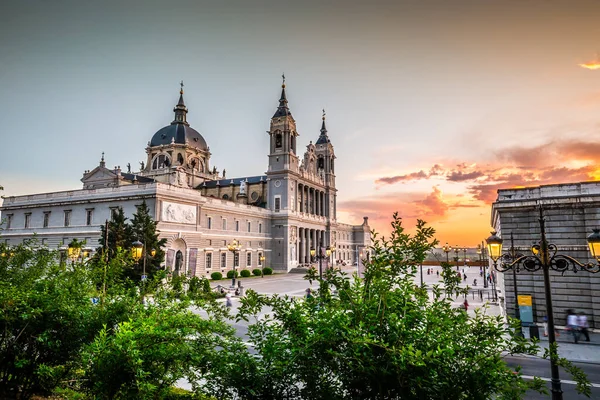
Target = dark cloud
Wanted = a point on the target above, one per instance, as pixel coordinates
(459, 176)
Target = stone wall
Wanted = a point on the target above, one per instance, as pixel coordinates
(570, 215)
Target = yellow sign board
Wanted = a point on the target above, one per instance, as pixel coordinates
(525, 300)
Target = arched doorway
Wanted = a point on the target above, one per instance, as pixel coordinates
(178, 262)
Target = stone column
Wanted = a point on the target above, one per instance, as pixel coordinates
(301, 196)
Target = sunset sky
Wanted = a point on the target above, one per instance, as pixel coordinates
(431, 105)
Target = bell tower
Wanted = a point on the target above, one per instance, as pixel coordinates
(326, 168)
(283, 134)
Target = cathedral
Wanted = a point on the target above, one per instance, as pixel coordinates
(277, 217)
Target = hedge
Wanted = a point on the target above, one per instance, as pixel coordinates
(216, 276)
(230, 274)
(256, 272)
(267, 271)
(245, 273)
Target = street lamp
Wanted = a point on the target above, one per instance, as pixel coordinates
(73, 250)
(465, 256)
(482, 261)
(332, 248)
(262, 264)
(447, 249)
(545, 257)
(234, 247)
(138, 250)
(320, 256)
(456, 250)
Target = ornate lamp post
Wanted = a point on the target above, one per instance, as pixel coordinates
(447, 249)
(138, 250)
(320, 256)
(234, 247)
(465, 256)
(545, 257)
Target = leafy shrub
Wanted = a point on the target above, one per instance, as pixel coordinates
(216, 276)
(267, 271)
(206, 285)
(194, 285)
(245, 273)
(256, 272)
(230, 274)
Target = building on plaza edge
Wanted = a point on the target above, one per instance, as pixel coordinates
(571, 211)
(280, 215)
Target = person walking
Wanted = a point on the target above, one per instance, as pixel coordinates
(572, 325)
(309, 293)
(583, 325)
(466, 305)
(228, 302)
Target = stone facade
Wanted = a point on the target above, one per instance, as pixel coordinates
(280, 215)
(571, 212)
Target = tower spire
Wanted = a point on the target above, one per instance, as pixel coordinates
(180, 109)
(323, 138)
(283, 109)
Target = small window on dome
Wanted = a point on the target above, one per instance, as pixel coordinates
(195, 139)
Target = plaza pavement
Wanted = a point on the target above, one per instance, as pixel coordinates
(295, 285)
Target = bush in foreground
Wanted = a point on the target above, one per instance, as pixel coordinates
(379, 337)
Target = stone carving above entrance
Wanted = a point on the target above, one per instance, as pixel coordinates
(182, 213)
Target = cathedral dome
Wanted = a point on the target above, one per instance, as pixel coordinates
(180, 134)
(179, 131)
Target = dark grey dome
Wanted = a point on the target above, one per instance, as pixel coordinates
(179, 133)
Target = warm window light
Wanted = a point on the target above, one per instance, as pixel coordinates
(136, 250)
(494, 243)
(594, 244)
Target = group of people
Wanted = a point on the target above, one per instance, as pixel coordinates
(577, 325)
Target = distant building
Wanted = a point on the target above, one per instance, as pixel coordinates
(571, 211)
(280, 215)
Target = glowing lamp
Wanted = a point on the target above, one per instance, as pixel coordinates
(153, 252)
(73, 251)
(328, 251)
(313, 251)
(136, 250)
(494, 244)
(594, 244)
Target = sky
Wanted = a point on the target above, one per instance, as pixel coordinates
(431, 105)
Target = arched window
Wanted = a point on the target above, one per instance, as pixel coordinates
(161, 161)
(278, 140)
(321, 163)
(179, 159)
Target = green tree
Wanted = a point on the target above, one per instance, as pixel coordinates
(119, 235)
(46, 316)
(381, 337)
(143, 228)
